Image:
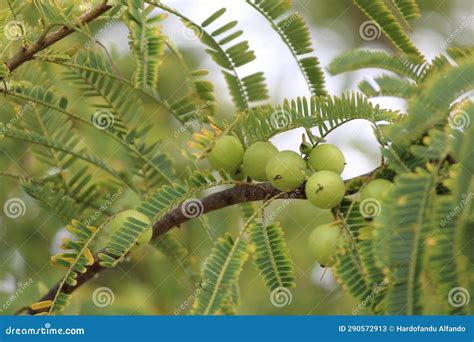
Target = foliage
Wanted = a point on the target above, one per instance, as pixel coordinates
(410, 249)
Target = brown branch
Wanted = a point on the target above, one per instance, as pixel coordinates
(240, 193)
(28, 53)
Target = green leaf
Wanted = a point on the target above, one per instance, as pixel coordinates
(77, 259)
(354, 266)
(459, 53)
(73, 150)
(272, 257)
(389, 86)
(378, 11)
(408, 9)
(296, 35)
(221, 270)
(213, 17)
(146, 43)
(243, 90)
(175, 250)
(200, 103)
(443, 265)
(67, 199)
(402, 227)
(361, 59)
(432, 106)
(323, 113)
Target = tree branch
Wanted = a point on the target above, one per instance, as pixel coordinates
(28, 53)
(240, 193)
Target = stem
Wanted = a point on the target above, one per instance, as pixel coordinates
(28, 53)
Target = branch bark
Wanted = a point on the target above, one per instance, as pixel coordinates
(240, 193)
(28, 53)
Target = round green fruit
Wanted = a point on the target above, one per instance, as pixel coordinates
(286, 170)
(324, 242)
(119, 220)
(256, 158)
(238, 174)
(325, 189)
(226, 154)
(376, 189)
(327, 157)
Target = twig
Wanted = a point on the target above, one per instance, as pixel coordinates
(28, 53)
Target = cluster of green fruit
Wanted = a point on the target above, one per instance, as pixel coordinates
(327, 238)
(285, 170)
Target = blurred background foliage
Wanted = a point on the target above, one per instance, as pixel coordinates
(148, 283)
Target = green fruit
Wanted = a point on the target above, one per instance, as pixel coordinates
(286, 170)
(226, 154)
(376, 189)
(325, 189)
(256, 158)
(324, 242)
(119, 220)
(327, 157)
(238, 174)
